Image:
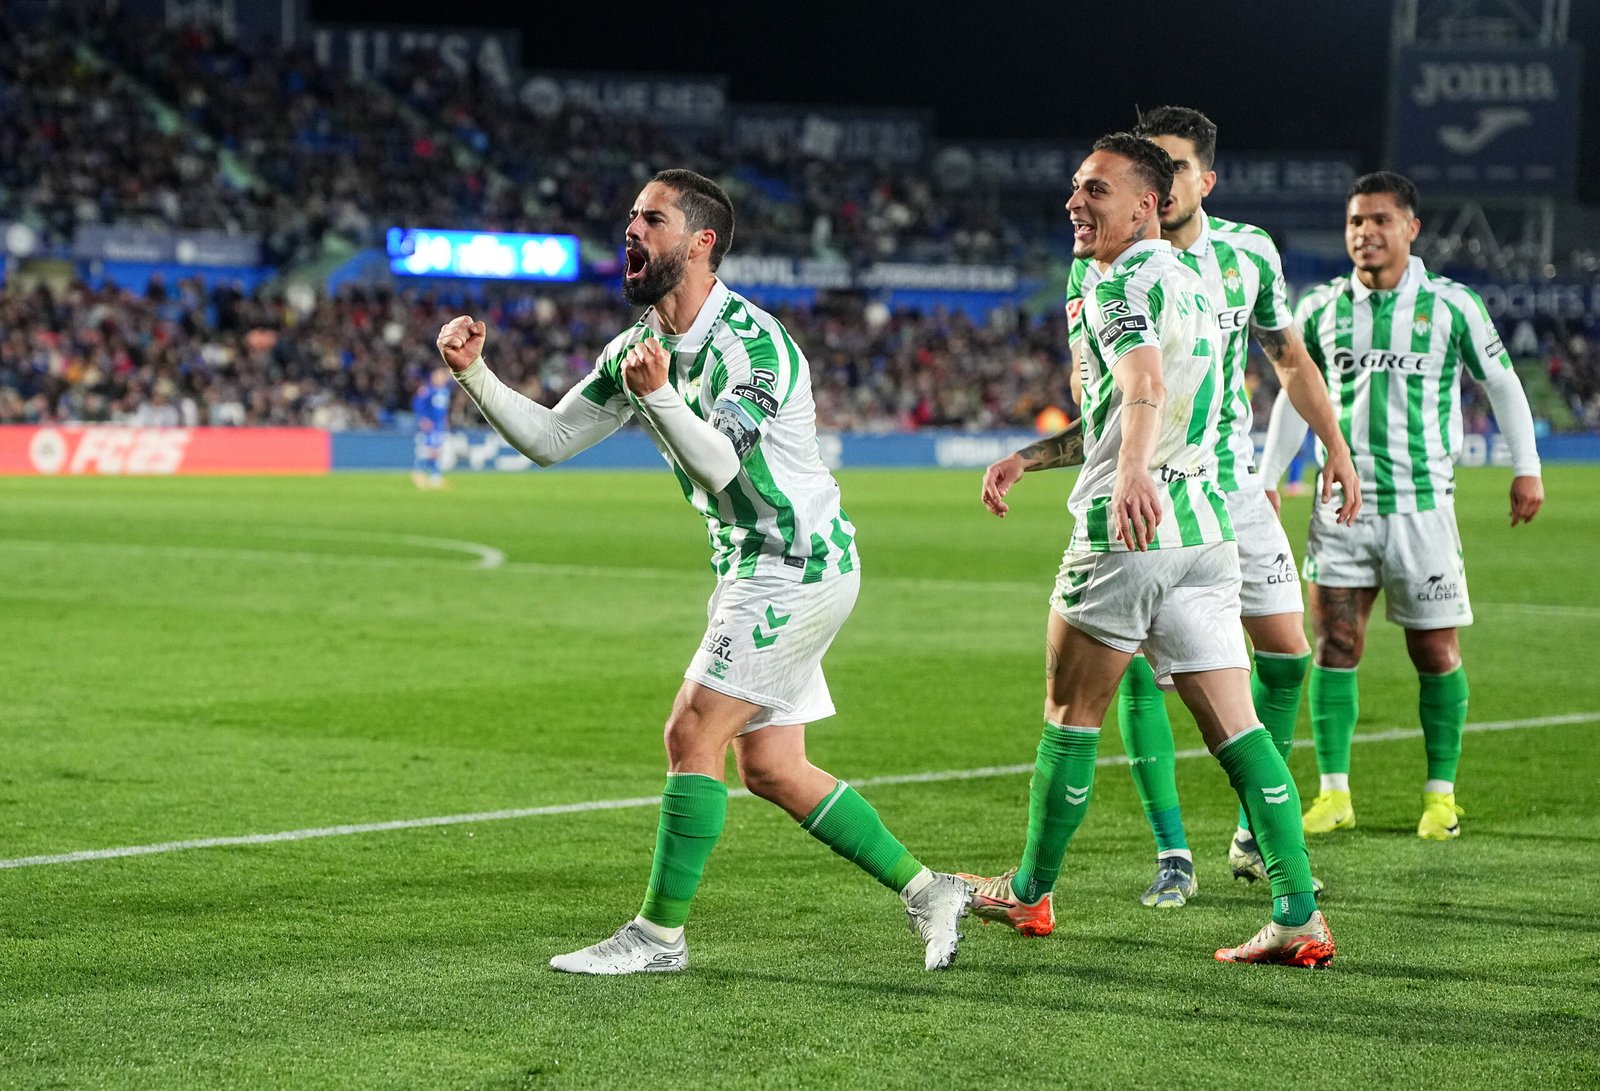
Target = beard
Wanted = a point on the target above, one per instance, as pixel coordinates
(1180, 219)
(662, 274)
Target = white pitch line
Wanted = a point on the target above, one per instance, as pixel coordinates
(490, 557)
(935, 777)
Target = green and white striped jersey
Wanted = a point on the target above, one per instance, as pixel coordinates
(780, 515)
(1393, 360)
(1243, 276)
(1149, 297)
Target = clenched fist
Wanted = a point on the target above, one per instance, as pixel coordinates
(460, 342)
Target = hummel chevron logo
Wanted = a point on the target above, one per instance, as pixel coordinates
(774, 622)
(1077, 796)
(1280, 794)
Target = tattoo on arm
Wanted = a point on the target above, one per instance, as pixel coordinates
(1065, 448)
(1275, 343)
(1144, 401)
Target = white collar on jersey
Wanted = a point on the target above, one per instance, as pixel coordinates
(700, 329)
(1202, 243)
(1136, 249)
(1414, 274)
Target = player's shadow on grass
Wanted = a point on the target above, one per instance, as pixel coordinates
(1553, 920)
(1236, 995)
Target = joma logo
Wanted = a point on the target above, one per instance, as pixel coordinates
(1484, 81)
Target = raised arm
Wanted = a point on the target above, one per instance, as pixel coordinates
(547, 436)
(706, 455)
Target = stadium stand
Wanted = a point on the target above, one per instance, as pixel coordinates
(114, 121)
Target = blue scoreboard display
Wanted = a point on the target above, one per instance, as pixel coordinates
(423, 252)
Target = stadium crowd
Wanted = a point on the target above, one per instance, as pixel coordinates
(1572, 360)
(110, 120)
(182, 355)
(116, 120)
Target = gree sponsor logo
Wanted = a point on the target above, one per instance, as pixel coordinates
(1233, 318)
(1412, 363)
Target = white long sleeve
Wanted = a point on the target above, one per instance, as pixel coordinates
(1286, 431)
(705, 455)
(545, 435)
(1515, 418)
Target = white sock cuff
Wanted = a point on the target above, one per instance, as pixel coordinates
(1073, 729)
(659, 932)
(827, 805)
(1235, 738)
(918, 883)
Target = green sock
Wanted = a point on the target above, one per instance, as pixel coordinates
(693, 808)
(848, 825)
(1265, 788)
(1443, 708)
(1275, 689)
(1063, 775)
(1147, 738)
(1335, 704)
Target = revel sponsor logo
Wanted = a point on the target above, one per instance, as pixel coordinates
(1411, 363)
(1116, 330)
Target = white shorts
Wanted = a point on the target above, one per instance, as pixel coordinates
(1180, 605)
(764, 643)
(1413, 557)
(1269, 584)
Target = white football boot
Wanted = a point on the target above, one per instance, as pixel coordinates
(631, 951)
(934, 913)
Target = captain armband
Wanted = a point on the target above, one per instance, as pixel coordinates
(734, 421)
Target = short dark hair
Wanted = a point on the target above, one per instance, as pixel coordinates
(704, 204)
(1180, 121)
(1387, 181)
(1153, 165)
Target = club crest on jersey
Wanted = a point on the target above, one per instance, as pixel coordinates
(1344, 323)
(1422, 325)
(1232, 278)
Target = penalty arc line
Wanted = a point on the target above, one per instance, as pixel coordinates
(933, 777)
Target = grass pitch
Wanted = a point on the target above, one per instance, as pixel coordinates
(189, 659)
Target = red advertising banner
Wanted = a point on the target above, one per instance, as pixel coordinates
(116, 449)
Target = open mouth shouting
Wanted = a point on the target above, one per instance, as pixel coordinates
(637, 264)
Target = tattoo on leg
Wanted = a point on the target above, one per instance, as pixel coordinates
(1052, 660)
(1338, 620)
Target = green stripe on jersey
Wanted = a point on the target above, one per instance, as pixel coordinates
(1382, 307)
(1189, 532)
(1422, 333)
